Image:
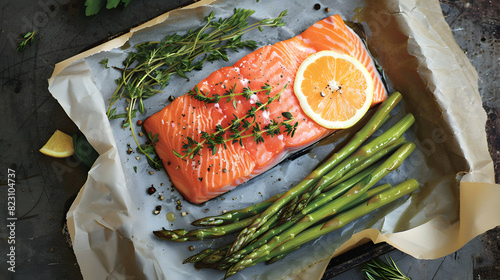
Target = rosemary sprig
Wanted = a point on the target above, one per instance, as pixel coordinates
(240, 127)
(149, 69)
(28, 39)
(379, 270)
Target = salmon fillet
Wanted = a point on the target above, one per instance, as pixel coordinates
(208, 175)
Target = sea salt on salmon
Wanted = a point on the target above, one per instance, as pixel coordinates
(208, 175)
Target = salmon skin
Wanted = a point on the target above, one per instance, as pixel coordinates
(209, 174)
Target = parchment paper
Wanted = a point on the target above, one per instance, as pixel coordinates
(111, 220)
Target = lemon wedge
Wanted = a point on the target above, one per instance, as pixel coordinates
(60, 145)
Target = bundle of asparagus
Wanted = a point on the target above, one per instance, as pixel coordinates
(337, 192)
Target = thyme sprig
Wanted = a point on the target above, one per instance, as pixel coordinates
(148, 70)
(240, 127)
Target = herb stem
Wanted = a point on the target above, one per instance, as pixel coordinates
(129, 116)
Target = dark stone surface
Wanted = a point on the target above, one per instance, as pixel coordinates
(45, 187)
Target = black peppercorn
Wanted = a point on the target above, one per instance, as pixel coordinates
(151, 190)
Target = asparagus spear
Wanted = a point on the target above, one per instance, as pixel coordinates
(368, 162)
(377, 175)
(368, 194)
(246, 235)
(236, 215)
(365, 196)
(208, 256)
(182, 235)
(278, 256)
(199, 234)
(217, 255)
(393, 162)
(348, 216)
(327, 209)
(199, 257)
(336, 222)
(385, 139)
(238, 255)
(270, 233)
(342, 187)
(211, 256)
(307, 221)
(296, 207)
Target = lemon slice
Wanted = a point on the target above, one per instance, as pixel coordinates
(334, 89)
(60, 145)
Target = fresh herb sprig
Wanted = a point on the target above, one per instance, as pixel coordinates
(376, 269)
(239, 126)
(149, 150)
(148, 70)
(28, 39)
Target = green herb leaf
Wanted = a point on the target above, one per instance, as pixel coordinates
(104, 62)
(93, 6)
(287, 115)
(112, 4)
(114, 115)
(154, 162)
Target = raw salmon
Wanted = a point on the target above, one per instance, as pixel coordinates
(208, 175)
